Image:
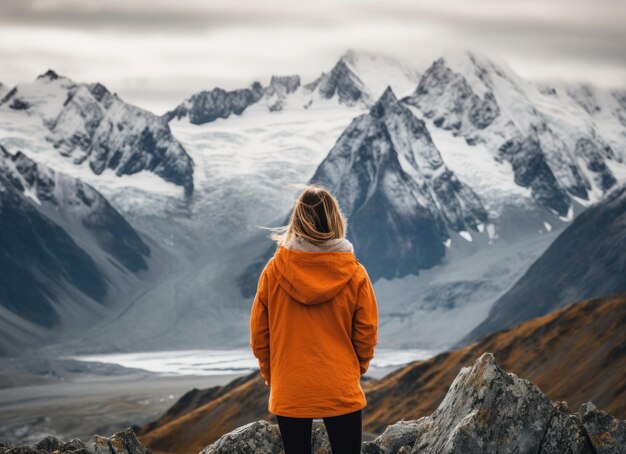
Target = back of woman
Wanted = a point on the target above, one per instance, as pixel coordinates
(314, 326)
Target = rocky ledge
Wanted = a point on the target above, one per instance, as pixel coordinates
(124, 442)
(486, 410)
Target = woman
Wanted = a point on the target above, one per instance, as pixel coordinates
(314, 326)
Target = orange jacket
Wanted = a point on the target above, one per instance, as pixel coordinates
(313, 328)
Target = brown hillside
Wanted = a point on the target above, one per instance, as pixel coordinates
(577, 353)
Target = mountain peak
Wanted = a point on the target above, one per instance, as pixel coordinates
(353, 55)
(386, 100)
(49, 75)
(289, 82)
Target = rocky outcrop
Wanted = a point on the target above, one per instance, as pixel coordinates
(280, 87)
(124, 442)
(486, 410)
(264, 437)
(207, 106)
(607, 434)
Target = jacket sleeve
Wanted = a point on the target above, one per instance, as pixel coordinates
(259, 328)
(365, 324)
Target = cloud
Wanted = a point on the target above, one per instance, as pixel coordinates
(155, 52)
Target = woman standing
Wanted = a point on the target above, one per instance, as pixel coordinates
(314, 326)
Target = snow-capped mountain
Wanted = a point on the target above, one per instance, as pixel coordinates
(394, 171)
(553, 143)
(86, 122)
(358, 79)
(65, 253)
(401, 200)
(395, 189)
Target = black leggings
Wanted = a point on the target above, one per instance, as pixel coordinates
(344, 433)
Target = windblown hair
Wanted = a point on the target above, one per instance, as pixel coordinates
(316, 217)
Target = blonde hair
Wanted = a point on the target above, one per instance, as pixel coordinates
(316, 217)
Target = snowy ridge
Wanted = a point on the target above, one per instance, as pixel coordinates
(358, 79)
(85, 122)
(207, 106)
(553, 143)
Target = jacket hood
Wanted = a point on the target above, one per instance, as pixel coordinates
(313, 277)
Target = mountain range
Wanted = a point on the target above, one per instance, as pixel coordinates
(357, 79)
(455, 178)
(553, 142)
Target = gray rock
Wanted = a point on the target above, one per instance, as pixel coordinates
(73, 445)
(25, 450)
(125, 442)
(606, 433)
(485, 411)
(208, 106)
(259, 437)
(279, 89)
(320, 441)
(98, 445)
(565, 434)
(49, 444)
(397, 438)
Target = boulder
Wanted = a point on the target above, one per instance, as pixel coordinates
(49, 444)
(257, 437)
(320, 441)
(124, 442)
(565, 433)
(606, 433)
(397, 438)
(485, 411)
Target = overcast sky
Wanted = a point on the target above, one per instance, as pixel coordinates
(155, 52)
